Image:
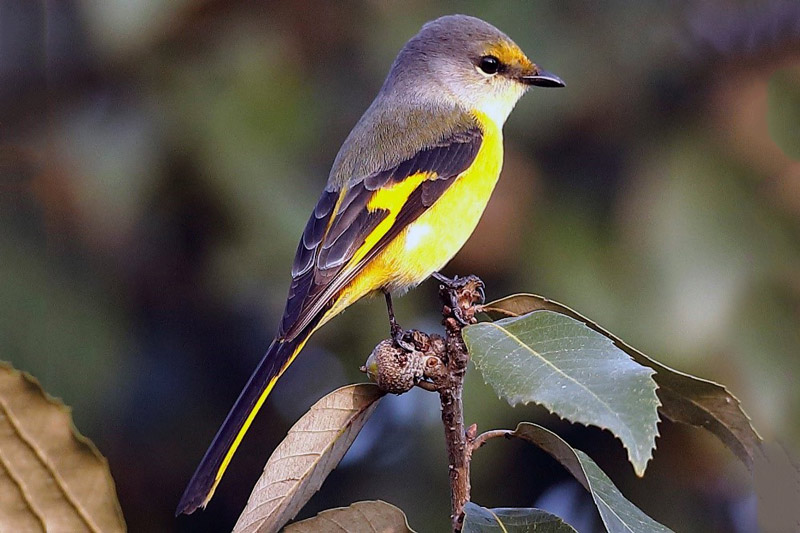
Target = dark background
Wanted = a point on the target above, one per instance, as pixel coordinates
(158, 161)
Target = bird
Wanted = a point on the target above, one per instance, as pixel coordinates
(405, 192)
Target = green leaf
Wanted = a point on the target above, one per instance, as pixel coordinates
(573, 371)
(360, 517)
(618, 514)
(479, 519)
(684, 398)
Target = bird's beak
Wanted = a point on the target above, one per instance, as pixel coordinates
(542, 78)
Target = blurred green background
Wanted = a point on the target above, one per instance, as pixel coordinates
(158, 160)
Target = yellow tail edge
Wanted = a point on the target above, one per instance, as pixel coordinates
(209, 472)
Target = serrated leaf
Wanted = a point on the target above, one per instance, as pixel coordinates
(478, 519)
(617, 513)
(311, 450)
(51, 477)
(360, 517)
(684, 398)
(573, 371)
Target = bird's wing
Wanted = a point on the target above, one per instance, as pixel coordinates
(350, 226)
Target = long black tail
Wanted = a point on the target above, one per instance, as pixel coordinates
(209, 472)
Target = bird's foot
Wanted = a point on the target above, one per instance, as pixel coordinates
(403, 338)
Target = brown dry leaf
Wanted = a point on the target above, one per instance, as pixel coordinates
(684, 398)
(51, 477)
(311, 450)
(360, 517)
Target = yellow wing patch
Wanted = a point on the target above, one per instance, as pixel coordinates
(392, 200)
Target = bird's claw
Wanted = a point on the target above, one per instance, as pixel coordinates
(402, 338)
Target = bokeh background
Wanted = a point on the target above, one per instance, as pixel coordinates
(158, 160)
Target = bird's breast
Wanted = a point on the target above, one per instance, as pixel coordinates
(439, 233)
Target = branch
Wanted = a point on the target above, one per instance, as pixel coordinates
(439, 364)
(459, 297)
(481, 439)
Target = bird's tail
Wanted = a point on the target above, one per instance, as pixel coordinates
(208, 474)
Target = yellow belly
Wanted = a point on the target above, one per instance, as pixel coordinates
(428, 243)
(438, 234)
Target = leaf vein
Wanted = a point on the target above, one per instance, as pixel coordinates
(58, 481)
(524, 346)
(22, 490)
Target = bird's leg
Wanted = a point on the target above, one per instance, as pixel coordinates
(400, 336)
(394, 327)
(452, 285)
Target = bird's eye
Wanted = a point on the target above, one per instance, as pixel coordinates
(489, 64)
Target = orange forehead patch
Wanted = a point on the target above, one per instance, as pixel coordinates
(509, 54)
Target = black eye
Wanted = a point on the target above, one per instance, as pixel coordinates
(489, 64)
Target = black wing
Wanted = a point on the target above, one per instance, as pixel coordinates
(335, 232)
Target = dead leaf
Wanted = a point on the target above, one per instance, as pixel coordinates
(361, 517)
(311, 450)
(51, 477)
(684, 398)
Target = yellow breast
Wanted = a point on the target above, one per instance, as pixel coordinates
(439, 233)
(429, 242)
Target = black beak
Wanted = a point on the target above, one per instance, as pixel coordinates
(542, 78)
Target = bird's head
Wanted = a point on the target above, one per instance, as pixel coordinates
(468, 62)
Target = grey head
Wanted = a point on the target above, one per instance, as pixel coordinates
(456, 67)
(465, 61)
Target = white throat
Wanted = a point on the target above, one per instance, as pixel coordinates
(499, 105)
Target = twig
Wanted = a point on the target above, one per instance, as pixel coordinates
(455, 437)
(481, 439)
(439, 364)
(459, 296)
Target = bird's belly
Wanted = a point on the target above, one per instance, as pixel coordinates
(429, 242)
(439, 233)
